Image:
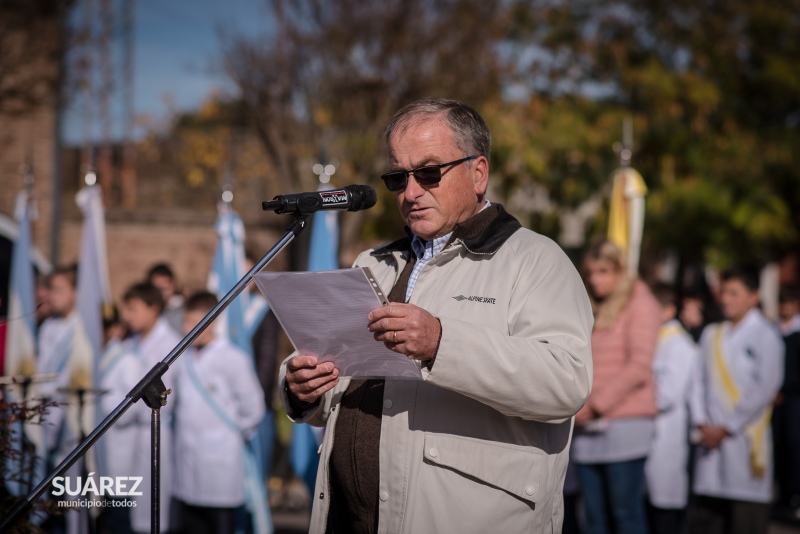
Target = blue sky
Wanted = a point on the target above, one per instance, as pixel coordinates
(176, 49)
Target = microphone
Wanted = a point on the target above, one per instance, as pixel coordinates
(350, 198)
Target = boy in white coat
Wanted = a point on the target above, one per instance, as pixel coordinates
(153, 339)
(220, 403)
(119, 371)
(740, 372)
(667, 469)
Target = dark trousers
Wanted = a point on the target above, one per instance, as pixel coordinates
(571, 524)
(786, 432)
(613, 497)
(667, 520)
(710, 515)
(114, 519)
(206, 520)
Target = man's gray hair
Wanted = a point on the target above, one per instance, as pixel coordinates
(469, 129)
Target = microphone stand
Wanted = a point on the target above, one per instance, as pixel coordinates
(152, 390)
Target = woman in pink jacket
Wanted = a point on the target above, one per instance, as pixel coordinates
(615, 428)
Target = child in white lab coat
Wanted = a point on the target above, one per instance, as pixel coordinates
(152, 340)
(119, 371)
(667, 470)
(220, 403)
(740, 372)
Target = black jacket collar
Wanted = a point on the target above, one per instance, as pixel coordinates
(483, 233)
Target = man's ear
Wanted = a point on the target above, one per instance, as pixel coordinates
(480, 176)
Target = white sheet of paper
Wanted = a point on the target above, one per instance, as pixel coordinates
(325, 313)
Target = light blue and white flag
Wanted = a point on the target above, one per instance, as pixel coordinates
(239, 322)
(242, 317)
(323, 251)
(94, 293)
(20, 347)
(21, 327)
(323, 255)
(227, 269)
(93, 296)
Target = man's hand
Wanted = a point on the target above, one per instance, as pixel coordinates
(712, 436)
(406, 329)
(308, 379)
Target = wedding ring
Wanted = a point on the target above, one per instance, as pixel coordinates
(394, 336)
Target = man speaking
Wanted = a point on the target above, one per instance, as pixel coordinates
(500, 323)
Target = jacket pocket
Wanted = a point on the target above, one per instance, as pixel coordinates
(515, 469)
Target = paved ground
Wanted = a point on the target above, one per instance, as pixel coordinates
(782, 528)
(785, 524)
(290, 513)
(297, 523)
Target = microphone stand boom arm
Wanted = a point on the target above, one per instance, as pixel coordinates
(151, 388)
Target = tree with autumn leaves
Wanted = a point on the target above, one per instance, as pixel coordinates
(712, 89)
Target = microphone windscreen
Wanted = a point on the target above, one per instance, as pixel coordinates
(363, 197)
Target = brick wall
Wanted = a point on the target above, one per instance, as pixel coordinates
(22, 139)
(187, 246)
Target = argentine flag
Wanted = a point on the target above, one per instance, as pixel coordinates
(20, 353)
(227, 269)
(94, 293)
(93, 297)
(238, 322)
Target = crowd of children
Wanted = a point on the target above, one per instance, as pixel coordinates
(693, 424)
(216, 404)
(677, 433)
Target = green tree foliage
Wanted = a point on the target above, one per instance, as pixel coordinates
(711, 86)
(335, 71)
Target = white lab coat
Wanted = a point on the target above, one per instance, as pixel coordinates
(667, 470)
(120, 371)
(209, 467)
(753, 352)
(55, 335)
(64, 349)
(150, 350)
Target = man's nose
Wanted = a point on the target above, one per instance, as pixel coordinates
(413, 190)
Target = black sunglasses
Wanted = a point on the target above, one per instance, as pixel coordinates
(427, 175)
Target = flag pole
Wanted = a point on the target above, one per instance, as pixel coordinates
(28, 448)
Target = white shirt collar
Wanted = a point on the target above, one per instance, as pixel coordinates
(750, 317)
(419, 245)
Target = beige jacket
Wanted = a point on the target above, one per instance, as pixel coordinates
(481, 443)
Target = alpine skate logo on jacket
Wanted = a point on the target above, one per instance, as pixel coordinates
(485, 300)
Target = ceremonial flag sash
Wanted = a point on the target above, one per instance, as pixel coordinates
(730, 394)
(255, 493)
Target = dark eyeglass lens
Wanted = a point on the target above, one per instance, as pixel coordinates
(428, 175)
(395, 181)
